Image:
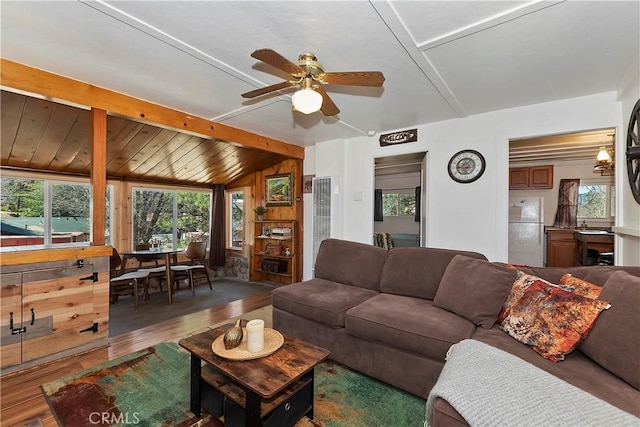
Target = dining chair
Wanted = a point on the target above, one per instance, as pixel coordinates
(146, 258)
(127, 283)
(196, 253)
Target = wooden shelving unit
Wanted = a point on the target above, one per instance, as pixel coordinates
(274, 254)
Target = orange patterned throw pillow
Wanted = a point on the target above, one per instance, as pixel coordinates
(579, 286)
(520, 285)
(551, 320)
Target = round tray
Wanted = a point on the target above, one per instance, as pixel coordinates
(273, 340)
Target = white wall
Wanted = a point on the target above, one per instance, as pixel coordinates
(627, 227)
(462, 216)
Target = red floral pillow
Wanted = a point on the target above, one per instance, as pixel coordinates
(579, 286)
(521, 284)
(551, 320)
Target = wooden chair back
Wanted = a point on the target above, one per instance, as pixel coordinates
(196, 251)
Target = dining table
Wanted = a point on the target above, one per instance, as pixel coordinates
(170, 257)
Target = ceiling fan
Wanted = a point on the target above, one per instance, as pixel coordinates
(309, 74)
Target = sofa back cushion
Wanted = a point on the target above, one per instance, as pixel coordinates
(416, 272)
(474, 289)
(613, 342)
(594, 274)
(350, 263)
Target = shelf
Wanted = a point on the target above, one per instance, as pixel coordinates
(272, 237)
(271, 272)
(275, 220)
(275, 256)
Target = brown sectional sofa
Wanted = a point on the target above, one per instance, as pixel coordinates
(374, 310)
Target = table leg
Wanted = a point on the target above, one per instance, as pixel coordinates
(252, 408)
(195, 385)
(167, 263)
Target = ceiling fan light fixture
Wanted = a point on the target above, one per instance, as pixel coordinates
(307, 101)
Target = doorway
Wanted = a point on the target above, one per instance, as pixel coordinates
(400, 199)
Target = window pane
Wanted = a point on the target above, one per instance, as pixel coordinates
(237, 220)
(390, 204)
(153, 217)
(22, 211)
(70, 213)
(407, 204)
(193, 217)
(592, 201)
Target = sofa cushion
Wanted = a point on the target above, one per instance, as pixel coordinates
(320, 300)
(350, 263)
(474, 289)
(577, 369)
(551, 320)
(614, 342)
(416, 272)
(410, 324)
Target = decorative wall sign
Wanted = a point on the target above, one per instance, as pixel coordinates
(402, 137)
(279, 190)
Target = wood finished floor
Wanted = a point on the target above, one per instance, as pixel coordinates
(22, 402)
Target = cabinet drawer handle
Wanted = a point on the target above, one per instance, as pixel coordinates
(33, 316)
(11, 321)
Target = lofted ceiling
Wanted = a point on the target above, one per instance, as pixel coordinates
(42, 135)
(441, 59)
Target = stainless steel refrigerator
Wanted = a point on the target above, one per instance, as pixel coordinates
(526, 231)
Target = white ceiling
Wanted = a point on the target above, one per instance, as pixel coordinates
(441, 59)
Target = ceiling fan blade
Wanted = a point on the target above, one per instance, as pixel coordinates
(328, 107)
(273, 58)
(352, 78)
(267, 89)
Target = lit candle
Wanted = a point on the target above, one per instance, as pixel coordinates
(255, 335)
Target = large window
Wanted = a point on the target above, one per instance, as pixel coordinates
(596, 201)
(170, 218)
(39, 211)
(399, 204)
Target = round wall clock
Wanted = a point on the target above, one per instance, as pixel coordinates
(633, 151)
(466, 166)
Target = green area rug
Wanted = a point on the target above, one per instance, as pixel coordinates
(151, 388)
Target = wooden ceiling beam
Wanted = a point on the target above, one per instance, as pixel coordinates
(24, 78)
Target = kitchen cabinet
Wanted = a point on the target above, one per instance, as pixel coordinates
(52, 309)
(274, 256)
(561, 248)
(534, 177)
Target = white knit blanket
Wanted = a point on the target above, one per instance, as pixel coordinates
(490, 387)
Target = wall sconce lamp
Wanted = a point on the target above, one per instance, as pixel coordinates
(606, 163)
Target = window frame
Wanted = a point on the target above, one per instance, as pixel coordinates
(228, 232)
(609, 208)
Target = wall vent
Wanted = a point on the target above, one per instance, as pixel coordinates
(321, 213)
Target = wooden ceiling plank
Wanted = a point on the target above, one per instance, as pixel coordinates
(77, 141)
(174, 161)
(121, 138)
(36, 115)
(23, 77)
(126, 153)
(222, 161)
(61, 125)
(157, 142)
(153, 160)
(213, 152)
(11, 107)
(114, 125)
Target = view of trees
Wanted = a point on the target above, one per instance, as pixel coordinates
(22, 197)
(394, 204)
(592, 201)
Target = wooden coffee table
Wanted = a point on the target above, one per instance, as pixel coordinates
(272, 390)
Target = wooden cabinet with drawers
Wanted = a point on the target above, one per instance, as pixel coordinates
(534, 177)
(52, 309)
